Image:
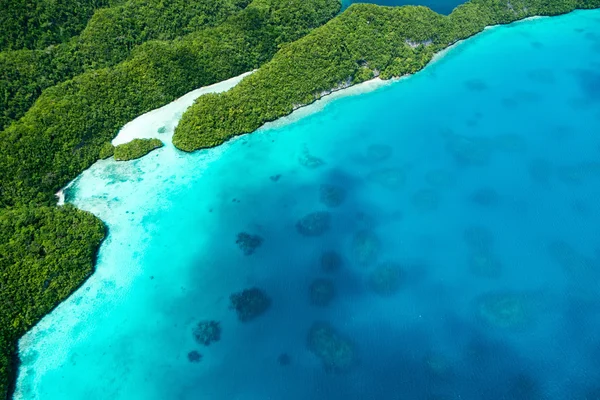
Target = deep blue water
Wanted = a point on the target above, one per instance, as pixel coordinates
(464, 203)
(439, 6)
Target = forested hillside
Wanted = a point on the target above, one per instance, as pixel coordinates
(364, 41)
(61, 106)
(108, 39)
(36, 25)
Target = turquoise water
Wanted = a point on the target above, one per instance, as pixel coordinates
(464, 204)
(439, 6)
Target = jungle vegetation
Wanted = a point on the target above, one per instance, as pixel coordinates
(364, 41)
(136, 148)
(108, 39)
(36, 25)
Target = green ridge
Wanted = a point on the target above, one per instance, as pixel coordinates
(38, 24)
(137, 148)
(365, 40)
(108, 39)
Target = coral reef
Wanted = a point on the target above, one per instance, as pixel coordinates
(578, 173)
(378, 152)
(207, 332)
(570, 259)
(331, 195)
(485, 197)
(194, 357)
(386, 279)
(248, 243)
(484, 264)
(468, 150)
(309, 161)
(336, 352)
(504, 310)
(478, 238)
(437, 365)
(284, 359)
(249, 303)
(389, 178)
(540, 171)
(314, 224)
(365, 248)
(321, 292)
(331, 261)
(476, 85)
(425, 200)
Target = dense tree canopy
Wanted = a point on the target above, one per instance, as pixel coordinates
(136, 148)
(38, 24)
(109, 37)
(364, 41)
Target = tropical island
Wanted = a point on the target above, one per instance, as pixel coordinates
(70, 85)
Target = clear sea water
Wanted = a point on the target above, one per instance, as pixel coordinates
(475, 184)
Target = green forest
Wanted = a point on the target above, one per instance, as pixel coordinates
(136, 148)
(73, 73)
(364, 41)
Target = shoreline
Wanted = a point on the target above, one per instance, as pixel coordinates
(371, 85)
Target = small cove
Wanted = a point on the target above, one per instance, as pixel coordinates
(479, 179)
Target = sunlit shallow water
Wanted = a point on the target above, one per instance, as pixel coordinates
(464, 203)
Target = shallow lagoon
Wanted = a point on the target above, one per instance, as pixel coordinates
(464, 203)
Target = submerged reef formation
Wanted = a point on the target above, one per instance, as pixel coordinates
(335, 351)
(284, 359)
(484, 197)
(468, 150)
(365, 248)
(482, 261)
(386, 278)
(321, 292)
(249, 303)
(389, 178)
(309, 161)
(331, 195)
(248, 243)
(478, 237)
(331, 261)
(505, 310)
(137, 148)
(573, 263)
(194, 357)
(485, 264)
(378, 152)
(207, 332)
(314, 224)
